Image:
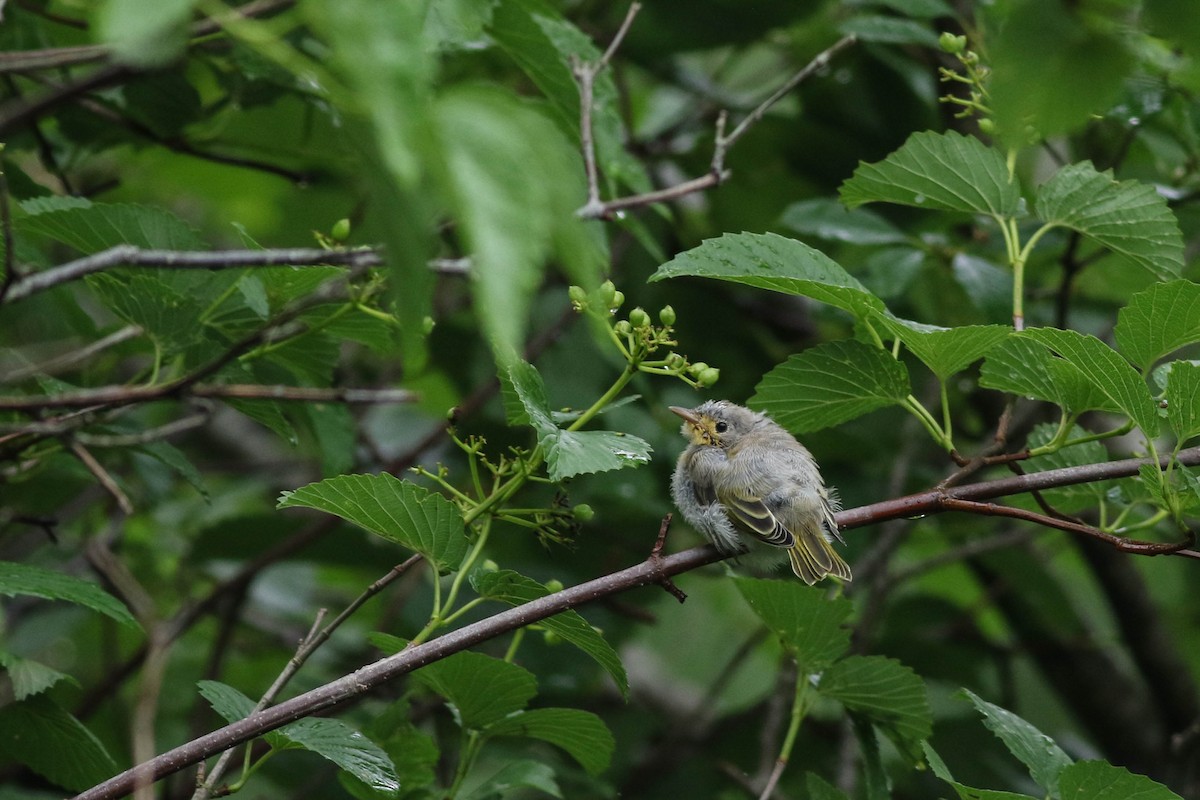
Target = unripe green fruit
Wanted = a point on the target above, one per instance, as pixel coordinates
(708, 377)
(605, 294)
(675, 361)
(578, 296)
(583, 512)
(489, 566)
(618, 300)
(340, 231)
(667, 315)
(986, 125)
(551, 638)
(623, 327)
(638, 318)
(697, 368)
(952, 44)
(554, 585)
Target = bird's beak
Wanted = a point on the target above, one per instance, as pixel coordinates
(687, 414)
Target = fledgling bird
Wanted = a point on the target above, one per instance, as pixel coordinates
(744, 479)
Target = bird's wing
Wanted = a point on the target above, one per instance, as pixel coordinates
(752, 515)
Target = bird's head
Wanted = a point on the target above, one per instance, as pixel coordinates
(716, 423)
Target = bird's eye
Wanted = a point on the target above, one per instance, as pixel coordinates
(722, 427)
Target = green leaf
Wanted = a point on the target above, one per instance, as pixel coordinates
(1034, 749)
(516, 589)
(232, 706)
(570, 453)
(524, 393)
(826, 218)
(145, 34)
(17, 579)
(945, 171)
(100, 226)
(30, 677)
(513, 182)
(946, 350)
(1107, 370)
(808, 624)
(482, 689)
(1099, 780)
(830, 384)
(1159, 321)
(580, 733)
(394, 509)
(515, 775)
(938, 767)
(770, 261)
(346, 747)
(1183, 399)
(819, 789)
(891, 694)
(1029, 370)
(39, 734)
(875, 778)
(1070, 499)
(891, 30)
(1128, 217)
(170, 318)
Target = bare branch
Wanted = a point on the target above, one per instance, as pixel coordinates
(68, 360)
(125, 255)
(101, 474)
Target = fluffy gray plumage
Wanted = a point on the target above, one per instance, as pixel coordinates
(744, 480)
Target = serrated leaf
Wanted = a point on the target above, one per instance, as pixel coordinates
(524, 394)
(806, 622)
(346, 747)
(571, 453)
(173, 458)
(515, 589)
(30, 677)
(37, 733)
(17, 579)
(938, 767)
(945, 171)
(874, 776)
(1099, 780)
(1034, 749)
(519, 774)
(1107, 370)
(394, 509)
(100, 226)
(1159, 321)
(232, 706)
(170, 318)
(581, 733)
(819, 789)
(1183, 399)
(826, 218)
(1029, 370)
(482, 689)
(829, 384)
(770, 261)
(1069, 499)
(891, 694)
(946, 350)
(1127, 217)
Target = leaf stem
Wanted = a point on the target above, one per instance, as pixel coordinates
(799, 710)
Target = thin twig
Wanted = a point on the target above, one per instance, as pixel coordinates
(124, 395)
(101, 474)
(147, 436)
(68, 360)
(9, 267)
(656, 553)
(125, 255)
(595, 208)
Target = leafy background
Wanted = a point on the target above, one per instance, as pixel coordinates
(448, 131)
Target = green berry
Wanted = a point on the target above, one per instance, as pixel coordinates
(675, 361)
(554, 585)
(340, 231)
(583, 512)
(427, 325)
(638, 318)
(697, 368)
(986, 125)
(952, 44)
(605, 294)
(623, 327)
(618, 300)
(667, 315)
(551, 638)
(708, 377)
(489, 566)
(578, 297)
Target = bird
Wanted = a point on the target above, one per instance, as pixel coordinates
(743, 480)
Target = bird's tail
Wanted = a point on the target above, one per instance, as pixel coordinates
(813, 557)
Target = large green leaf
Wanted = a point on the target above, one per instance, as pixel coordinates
(38, 733)
(516, 589)
(508, 780)
(1034, 749)
(1183, 399)
(946, 171)
(346, 747)
(1068, 499)
(888, 692)
(100, 226)
(170, 318)
(145, 34)
(1127, 217)
(806, 622)
(820, 789)
(581, 733)
(1029, 370)
(397, 510)
(946, 350)
(770, 261)
(826, 218)
(1107, 370)
(938, 767)
(27, 579)
(1159, 321)
(482, 689)
(30, 677)
(233, 705)
(830, 384)
(1099, 780)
